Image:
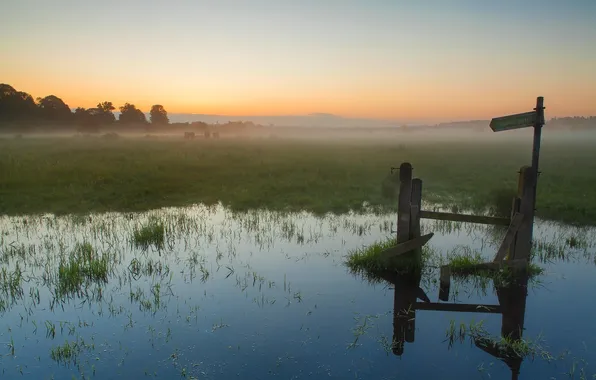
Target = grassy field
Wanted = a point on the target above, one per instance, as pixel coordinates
(68, 175)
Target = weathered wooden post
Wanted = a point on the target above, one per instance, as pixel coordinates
(403, 205)
(415, 206)
(536, 144)
(528, 176)
(523, 238)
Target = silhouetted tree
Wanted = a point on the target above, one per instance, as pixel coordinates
(87, 120)
(158, 115)
(104, 112)
(16, 106)
(129, 114)
(52, 109)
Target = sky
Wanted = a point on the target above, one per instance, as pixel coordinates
(407, 60)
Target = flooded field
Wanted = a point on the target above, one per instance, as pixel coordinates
(207, 293)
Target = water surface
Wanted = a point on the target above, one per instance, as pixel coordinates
(266, 295)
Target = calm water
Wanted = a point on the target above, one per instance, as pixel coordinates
(263, 295)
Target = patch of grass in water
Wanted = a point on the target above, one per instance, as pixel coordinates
(504, 346)
(368, 260)
(83, 266)
(152, 233)
(464, 261)
(69, 351)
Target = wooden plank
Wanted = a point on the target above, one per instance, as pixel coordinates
(458, 307)
(403, 205)
(415, 205)
(405, 247)
(465, 218)
(510, 235)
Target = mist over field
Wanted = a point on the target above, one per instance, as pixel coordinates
(297, 189)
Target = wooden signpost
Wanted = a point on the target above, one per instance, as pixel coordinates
(521, 120)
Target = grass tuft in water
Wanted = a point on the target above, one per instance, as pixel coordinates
(69, 351)
(368, 260)
(82, 267)
(152, 233)
(464, 261)
(503, 346)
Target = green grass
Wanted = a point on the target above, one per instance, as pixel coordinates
(93, 175)
(504, 346)
(84, 266)
(150, 234)
(69, 351)
(367, 260)
(463, 263)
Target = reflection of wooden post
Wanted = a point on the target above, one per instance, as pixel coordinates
(444, 283)
(513, 301)
(404, 313)
(403, 206)
(523, 240)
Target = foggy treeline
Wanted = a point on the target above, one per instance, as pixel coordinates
(20, 112)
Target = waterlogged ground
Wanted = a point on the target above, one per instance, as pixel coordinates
(204, 293)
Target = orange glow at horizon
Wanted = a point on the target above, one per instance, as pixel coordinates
(351, 59)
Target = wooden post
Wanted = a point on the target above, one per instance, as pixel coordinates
(523, 240)
(415, 205)
(403, 206)
(514, 209)
(536, 146)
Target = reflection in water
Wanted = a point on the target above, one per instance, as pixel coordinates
(216, 294)
(512, 299)
(512, 307)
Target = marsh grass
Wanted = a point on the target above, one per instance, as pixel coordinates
(463, 263)
(150, 234)
(83, 267)
(69, 351)
(504, 346)
(367, 260)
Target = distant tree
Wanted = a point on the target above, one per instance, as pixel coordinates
(87, 120)
(104, 112)
(16, 106)
(158, 115)
(52, 109)
(129, 114)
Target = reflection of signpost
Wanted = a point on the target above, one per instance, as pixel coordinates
(512, 307)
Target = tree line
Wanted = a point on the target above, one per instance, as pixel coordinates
(19, 109)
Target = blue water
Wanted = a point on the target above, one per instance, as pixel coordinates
(277, 302)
